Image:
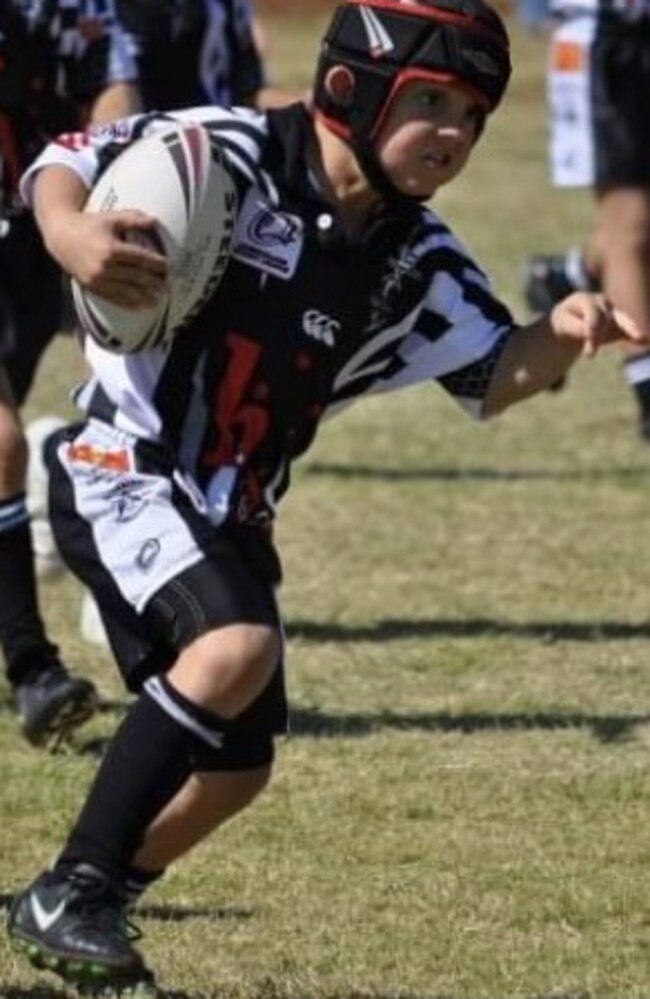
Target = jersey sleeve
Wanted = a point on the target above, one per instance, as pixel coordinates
(458, 337)
(454, 333)
(87, 153)
(84, 153)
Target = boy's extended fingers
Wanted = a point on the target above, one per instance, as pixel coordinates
(587, 320)
(602, 323)
(630, 328)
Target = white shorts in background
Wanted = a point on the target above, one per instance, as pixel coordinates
(570, 101)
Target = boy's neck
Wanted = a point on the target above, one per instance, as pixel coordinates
(341, 179)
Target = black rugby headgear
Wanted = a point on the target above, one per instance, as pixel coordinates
(388, 43)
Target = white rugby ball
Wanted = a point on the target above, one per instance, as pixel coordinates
(180, 178)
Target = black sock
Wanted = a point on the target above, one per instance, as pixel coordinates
(22, 633)
(642, 393)
(139, 881)
(637, 372)
(147, 762)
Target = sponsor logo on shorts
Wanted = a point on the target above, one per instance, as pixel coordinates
(148, 553)
(129, 499)
(108, 460)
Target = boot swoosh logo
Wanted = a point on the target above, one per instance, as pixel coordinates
(44, 918)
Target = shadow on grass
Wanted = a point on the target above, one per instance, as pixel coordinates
(321, 724)
(178, 914)
(480, 473)
(170, 913)
(399, 629)
(312, 722)
(272, 992)
(275, 992)
(38, 992)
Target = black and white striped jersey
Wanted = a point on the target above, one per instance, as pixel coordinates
(193, 51)
(303, 324)
(56, 56)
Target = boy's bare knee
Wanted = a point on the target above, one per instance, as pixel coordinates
(227, 668)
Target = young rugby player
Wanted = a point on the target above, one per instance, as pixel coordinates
(332, 236)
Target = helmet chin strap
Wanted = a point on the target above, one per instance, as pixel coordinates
(376, 175)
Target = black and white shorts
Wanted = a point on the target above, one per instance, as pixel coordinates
(599, 103)
(132, 530)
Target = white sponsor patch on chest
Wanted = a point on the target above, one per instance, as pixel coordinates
(267, 239)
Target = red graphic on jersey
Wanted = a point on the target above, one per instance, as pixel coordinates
(241, 423)
(72, 140)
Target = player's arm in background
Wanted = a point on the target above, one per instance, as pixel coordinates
(103, 80)
(269, 96)
(250, 84)
(119, 100)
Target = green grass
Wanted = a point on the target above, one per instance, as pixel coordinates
(461, 810)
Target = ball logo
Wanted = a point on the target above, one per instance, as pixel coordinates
(194, 201)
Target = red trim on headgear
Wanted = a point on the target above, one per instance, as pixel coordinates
(431, 76)
(333, 124)
(413, 7)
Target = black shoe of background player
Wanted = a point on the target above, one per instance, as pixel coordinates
(546, 284)
(641, 390)
(51, 703)
(74, 924)
(644, 427)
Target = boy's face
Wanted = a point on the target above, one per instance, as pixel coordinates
(428, 135)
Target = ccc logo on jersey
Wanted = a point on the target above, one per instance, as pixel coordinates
(267, 239)
(320, 327)
(272, 229)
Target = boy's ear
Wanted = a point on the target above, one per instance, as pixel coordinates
(340, 85)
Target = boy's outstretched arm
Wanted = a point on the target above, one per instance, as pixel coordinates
(538, 355)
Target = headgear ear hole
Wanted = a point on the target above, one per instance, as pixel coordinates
(340, 84)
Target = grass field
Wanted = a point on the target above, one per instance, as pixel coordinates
(462, 808)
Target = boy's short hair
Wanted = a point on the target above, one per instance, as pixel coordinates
(387, 43)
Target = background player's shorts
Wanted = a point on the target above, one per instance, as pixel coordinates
(161, 573)
(31, 293)
(599, 103)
